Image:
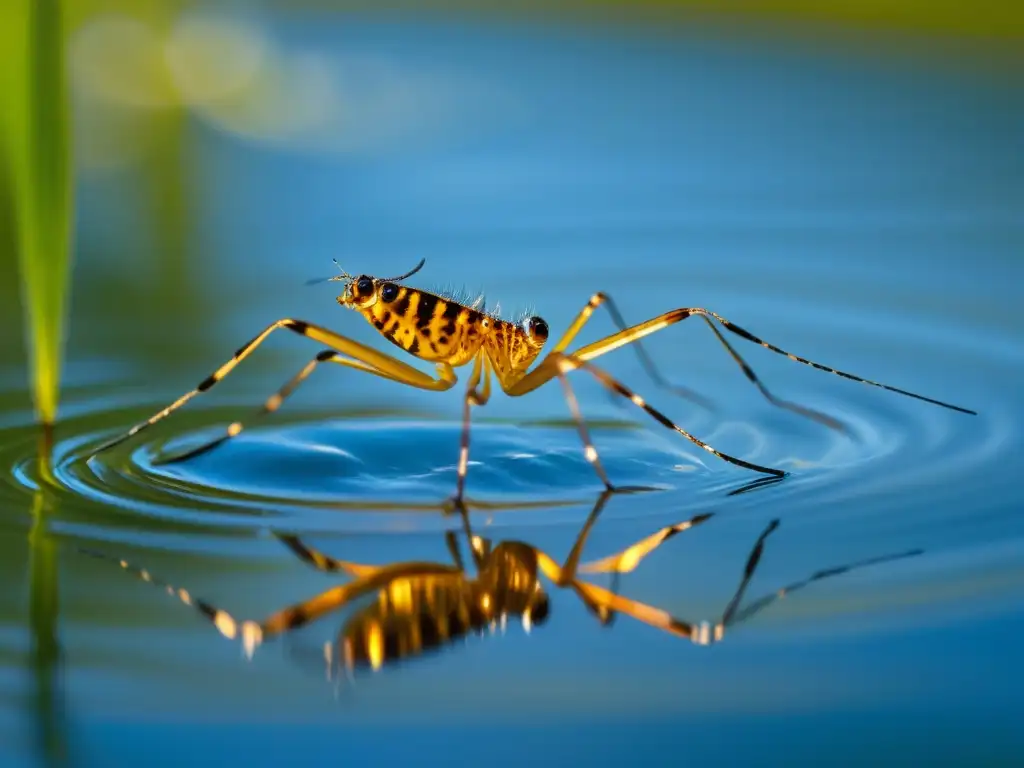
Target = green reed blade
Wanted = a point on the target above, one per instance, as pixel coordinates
(36, 148)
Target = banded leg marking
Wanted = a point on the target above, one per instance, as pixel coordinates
(276, 400)
(589, 451)
(569, 363)
(323, 562)
(253, 633)
(630, 335)
(371, 359)
(603, 299)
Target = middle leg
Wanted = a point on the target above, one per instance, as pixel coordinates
(601, 299)
(473, 397)
(558, 364)
(569, 363)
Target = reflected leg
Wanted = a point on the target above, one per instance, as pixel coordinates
(254, 633)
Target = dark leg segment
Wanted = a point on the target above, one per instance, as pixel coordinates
(603, 299)
(277, 399)
(366, 358)
(568, 363)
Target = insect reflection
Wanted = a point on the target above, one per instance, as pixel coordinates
(424, 606)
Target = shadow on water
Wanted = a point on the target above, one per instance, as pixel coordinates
(419, 607)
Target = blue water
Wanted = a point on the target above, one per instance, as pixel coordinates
(859, 208)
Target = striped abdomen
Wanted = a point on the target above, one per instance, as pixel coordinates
(428, 326)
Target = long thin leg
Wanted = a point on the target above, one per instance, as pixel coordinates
(604, 603)
(599, 348)
(481, 369)
(327, 564)
(763, 602)
(599, 299)
(571, 564)
(452, 542)
(602, 299)
(567, 364)
(565, 575)
(753, 560)
(547, 369)
(754, 485)
(254, 633)
(623, 561)
(802, 410)
(479, 547)
(277, 399)
(223, 621)
(323, 562)
(703, 633)
(332, 599)
(589, 451)
(374, 362)
(626, 560)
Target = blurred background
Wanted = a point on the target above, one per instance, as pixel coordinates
(190, 118)
(844, 179)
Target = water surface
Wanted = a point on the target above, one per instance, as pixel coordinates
(863, 211)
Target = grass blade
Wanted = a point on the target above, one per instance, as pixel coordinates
(36, 152)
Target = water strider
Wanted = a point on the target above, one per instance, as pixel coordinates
(452, 333)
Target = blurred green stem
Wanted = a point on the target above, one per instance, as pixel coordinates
(39, 163)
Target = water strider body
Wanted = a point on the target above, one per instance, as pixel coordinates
(453, 333)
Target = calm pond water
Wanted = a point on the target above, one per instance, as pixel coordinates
(863, 211)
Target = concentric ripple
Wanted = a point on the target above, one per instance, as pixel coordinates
(358, 473)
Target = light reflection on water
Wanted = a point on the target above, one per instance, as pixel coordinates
(847, 211)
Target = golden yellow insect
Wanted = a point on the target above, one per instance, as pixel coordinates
(424, 606)
(452, 334)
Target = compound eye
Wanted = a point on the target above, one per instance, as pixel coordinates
(388, 292)
(364, 285)
(537, 328)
